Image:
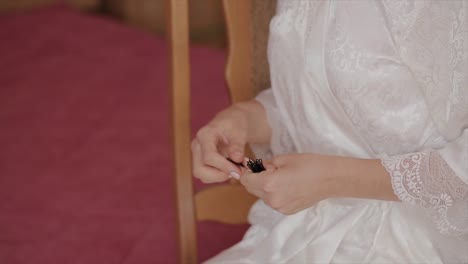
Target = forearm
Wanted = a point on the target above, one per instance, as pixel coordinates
(362, 178)
(259, 131)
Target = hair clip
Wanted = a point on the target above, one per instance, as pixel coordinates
(255, 166)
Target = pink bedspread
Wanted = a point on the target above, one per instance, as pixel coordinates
(84, 142)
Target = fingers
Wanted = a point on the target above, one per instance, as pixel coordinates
(257, 184)
(236, 155)
(267, 187)
(253, 183)
(292, 207)
(236, 150)
(205, 173)
(208, 140)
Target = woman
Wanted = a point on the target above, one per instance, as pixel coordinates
(367, 128)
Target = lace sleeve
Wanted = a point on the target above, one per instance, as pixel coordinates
(425, 179)
(281, 141)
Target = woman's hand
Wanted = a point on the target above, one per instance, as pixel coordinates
(225, 137)
(292, 182)
(295, 182)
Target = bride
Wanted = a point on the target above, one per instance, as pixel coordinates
(365, 129)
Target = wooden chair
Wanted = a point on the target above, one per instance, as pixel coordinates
(244, 77)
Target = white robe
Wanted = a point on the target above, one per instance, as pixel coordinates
(380, 79)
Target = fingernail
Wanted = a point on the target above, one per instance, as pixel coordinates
(234, 175)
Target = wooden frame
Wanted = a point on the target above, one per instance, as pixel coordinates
(178, 29)
(209, 204)
(238, 67)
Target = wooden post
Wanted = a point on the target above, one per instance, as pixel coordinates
(178, 29)
(238, 68)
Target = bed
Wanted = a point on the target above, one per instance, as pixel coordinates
(85, 163)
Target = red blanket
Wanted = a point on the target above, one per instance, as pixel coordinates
(84, 143)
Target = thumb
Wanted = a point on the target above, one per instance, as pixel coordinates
(236, 151)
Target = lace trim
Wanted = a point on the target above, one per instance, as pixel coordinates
(425, 180)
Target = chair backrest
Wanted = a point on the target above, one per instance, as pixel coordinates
(245, 75)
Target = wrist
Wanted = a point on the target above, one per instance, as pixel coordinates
(258, 129)
(362, 178)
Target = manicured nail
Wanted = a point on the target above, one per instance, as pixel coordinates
(234, 175)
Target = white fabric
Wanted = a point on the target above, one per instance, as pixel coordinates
(371, 79)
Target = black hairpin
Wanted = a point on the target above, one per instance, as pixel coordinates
(254, 165)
